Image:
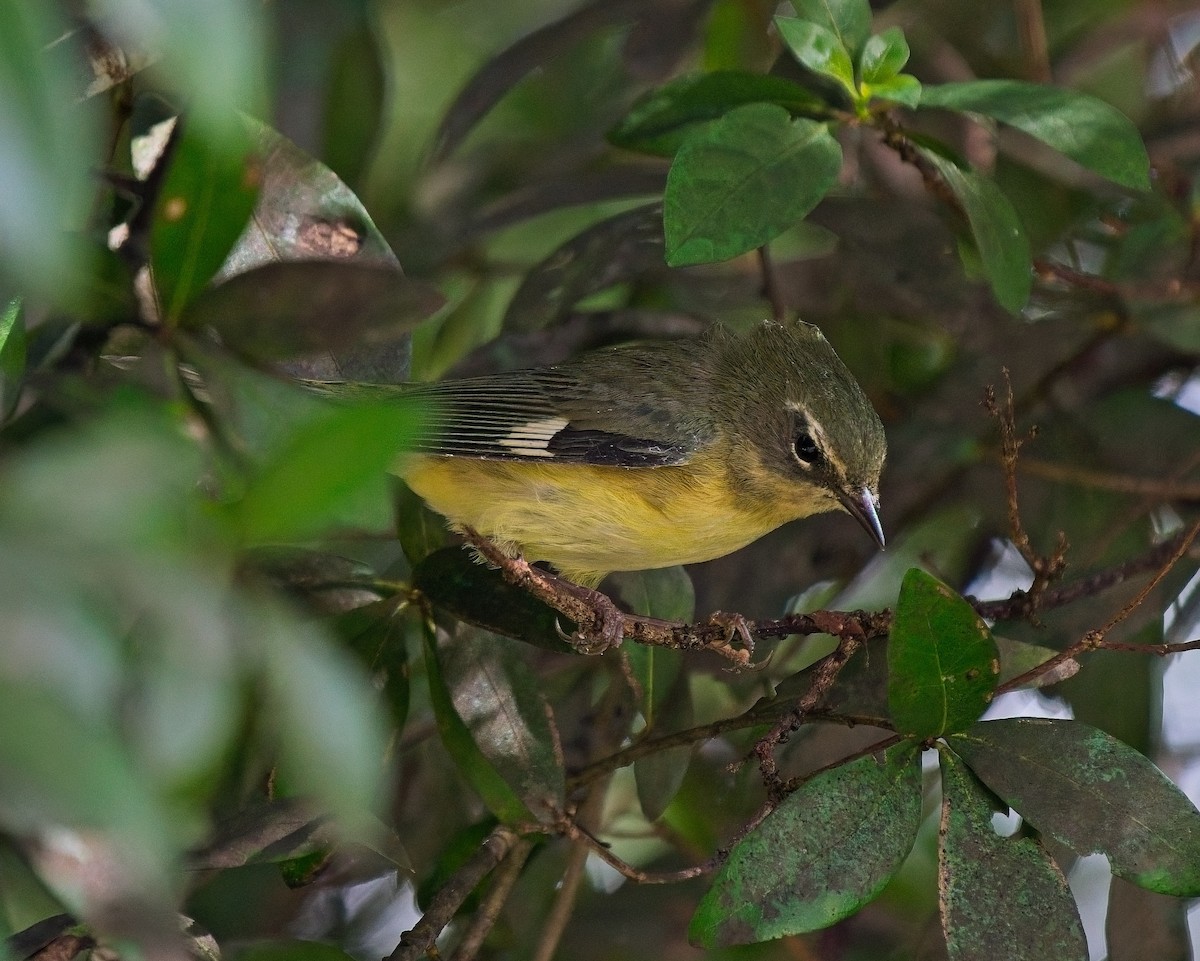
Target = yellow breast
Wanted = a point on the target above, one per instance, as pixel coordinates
(590, 520)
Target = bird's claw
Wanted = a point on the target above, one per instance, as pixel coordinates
(735, 626)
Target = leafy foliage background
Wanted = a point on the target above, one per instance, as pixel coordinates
(189, 651)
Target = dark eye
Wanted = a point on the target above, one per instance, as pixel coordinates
(806, 449)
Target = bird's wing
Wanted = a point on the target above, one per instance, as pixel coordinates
(548, 414)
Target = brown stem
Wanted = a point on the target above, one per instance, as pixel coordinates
(771, 287)
(417, 941)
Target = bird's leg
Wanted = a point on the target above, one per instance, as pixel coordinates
(601, 624)
(735, 625)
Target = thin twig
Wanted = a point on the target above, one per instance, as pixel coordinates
(1031, 25)
(489, 909)
(1154, 487)
(567, 896)
(418, 940)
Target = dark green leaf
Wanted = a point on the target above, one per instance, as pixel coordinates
(480, 596)
(819, 49)
(660, 776)
(283, 310)
(202, 207)
(1092, 793)
(618, 249)
(849, 19)
(327, 464)
(942, 661)
(377, 633)
(1082, 127)
(979, 873)
(744, 180)
(883, 56)
(289, 951)
(12, 356)
(827, 850)
(421, 530)
(1017, 657)
(995, 229)
(658, 120)
(500, 700)
(356, 93)
(494, 746)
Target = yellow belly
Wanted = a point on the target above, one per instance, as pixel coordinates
(588, 521)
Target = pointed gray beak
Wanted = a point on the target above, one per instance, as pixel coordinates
(862, 505)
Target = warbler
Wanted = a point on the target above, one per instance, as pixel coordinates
(651, 455)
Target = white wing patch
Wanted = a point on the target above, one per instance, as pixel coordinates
(532, 439)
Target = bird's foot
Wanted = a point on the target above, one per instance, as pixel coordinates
(736, 626)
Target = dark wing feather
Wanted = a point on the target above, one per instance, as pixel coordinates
(541, 415)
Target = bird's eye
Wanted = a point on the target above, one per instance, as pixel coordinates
(806, 449)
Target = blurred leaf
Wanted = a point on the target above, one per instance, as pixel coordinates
(355, 98)
(884, 56)
(827, 850)
(850, 20)
(327, 463)
(378, 633)
(942, 661)
(324, 718)
(479, 595)
(496, 77)
(451, 856)
(979, 874)
(1161, 930)
(620, 248)
(660, 776)
(995, 230)
(500, 701)
(282, 310)
(49, 144)
(203, 204)
(1082, 127)
(743, 180)
(12, 356)
(213, 52)
(495, 792)
(665, 593)
(1177, 325)
(819, 49)
(1092, 793)
(289, 951)
(658, 121)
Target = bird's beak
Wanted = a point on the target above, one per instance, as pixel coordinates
(862, 505)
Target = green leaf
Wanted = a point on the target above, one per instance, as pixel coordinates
(500, 700)
(659, 119)
(819, 49)
(50, 144)
(979, 874)
(327, 464)
(479, 595)
(849, 19)
(904, 89)
(883, 56)
(998, 234)
(942, 661)
(202, 207)
(1084, 128)
(1094, 794)
(744, 180)
(471, 762)
(827, 850)
(12, 356)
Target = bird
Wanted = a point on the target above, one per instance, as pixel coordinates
(651, 454)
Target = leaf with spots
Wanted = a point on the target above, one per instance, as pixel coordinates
(979, 870)
(827, 850)
(1093, 793)
(942, 660)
